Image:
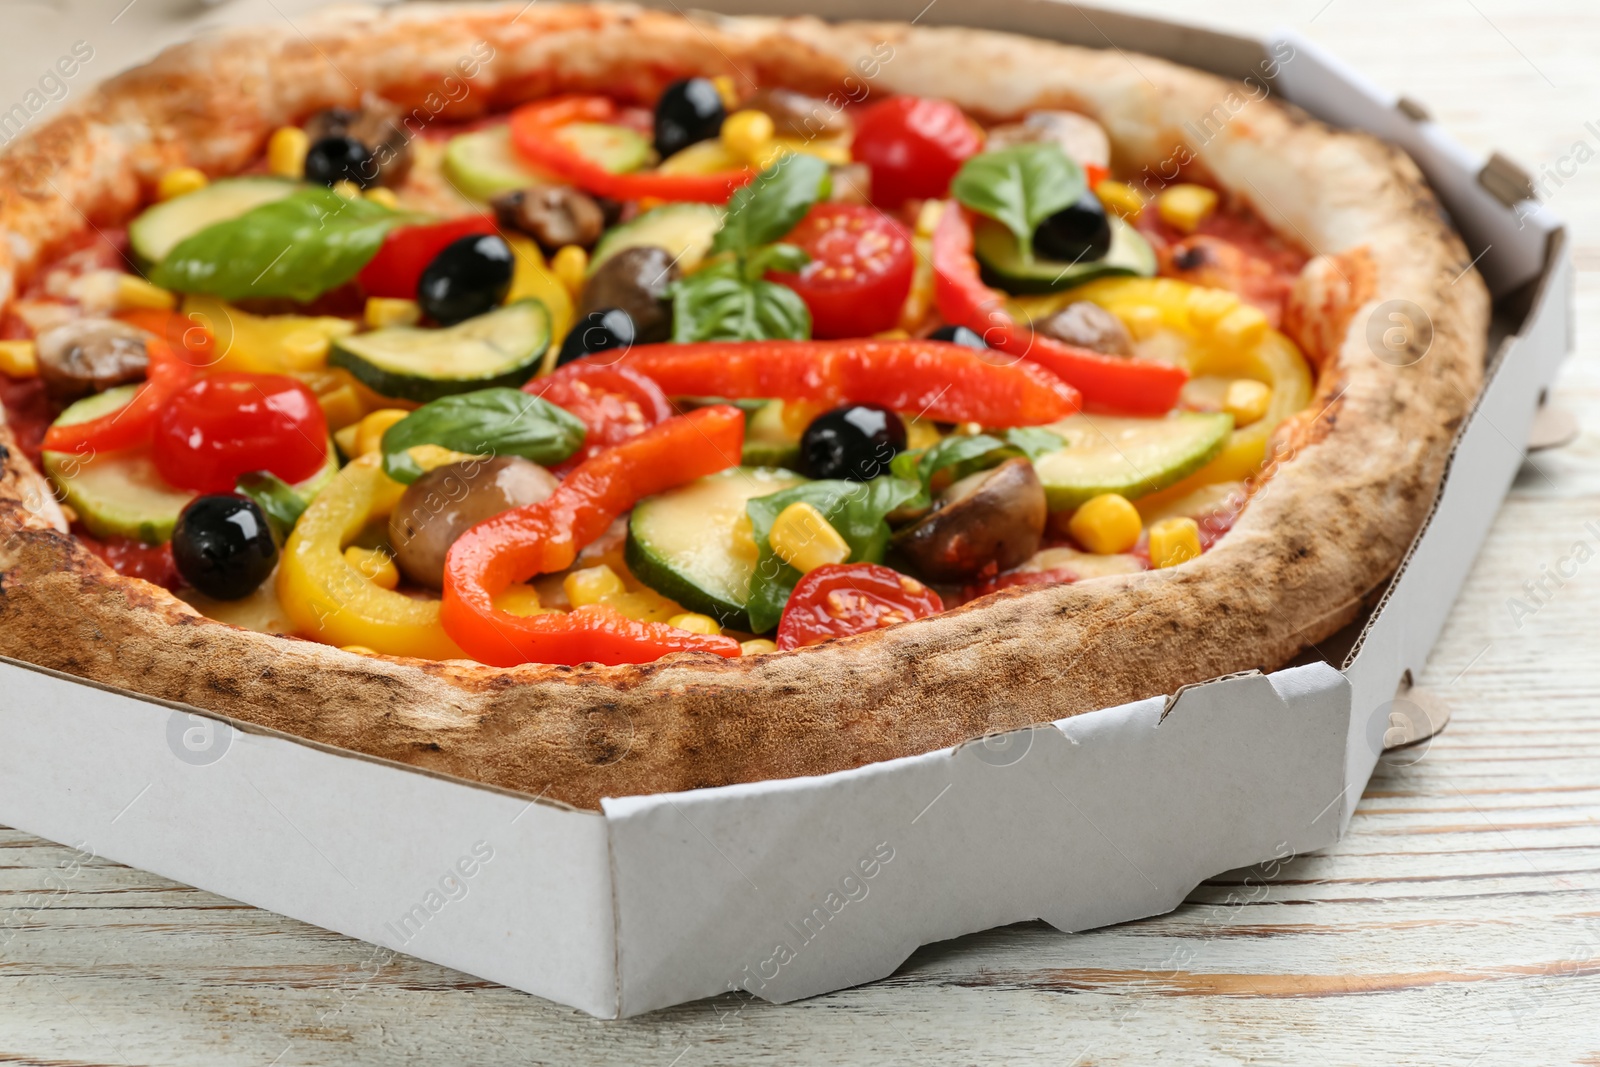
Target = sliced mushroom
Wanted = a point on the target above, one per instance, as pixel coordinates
(441, 505)
(635, 280)
(805, 118)
(1080, 136)
(379, 125)
(553, 215)
(1088, 326)
(994, 518)
(90, 356)
(852, 184)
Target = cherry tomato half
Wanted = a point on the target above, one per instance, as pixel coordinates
(225, 425)
(913, 146)
(860, 270)
(615, 403)
(397, 268)
(851, 598)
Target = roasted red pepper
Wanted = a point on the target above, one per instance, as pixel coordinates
(935, 379)
(534, 132)
(1133, 386)
(545, 537)
(397, 268)
(133, 423)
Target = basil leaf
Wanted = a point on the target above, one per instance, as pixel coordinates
(1019, 187)
(489, 422)
(1034, 441)
(773, 204)
(311, 241)
(781, 257)
(278, 500)
(718, 303)
(855, 509)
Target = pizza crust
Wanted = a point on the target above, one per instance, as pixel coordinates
(1356, 476)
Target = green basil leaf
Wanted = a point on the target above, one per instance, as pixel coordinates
(1019, 187)
(773, 204)
(489, 422)
(311, 241)
(280, 501)
(776, 257)
(718, 304)
(856, 509)
(1034, 441)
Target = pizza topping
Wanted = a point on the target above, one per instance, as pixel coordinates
(1086, 325)
(938, 380)
(445, 502)
(613, 402)
(223, 546)
(469, 277)
(545, 537)
(684, 231)
(802, 117)
(375, 129)
(852, 598)
(856, 442)
(395, 271)
(689, 111)
(224, 425)
(602, 330)
(988, 521)
(503, 347)
(1174, 541)
(1083, 139)
(1079, 231)
(86, 356)
(913, 146)
(1129, 456)
(1118, 384)
(340, 158)
(859, 271)
(499, 421)
(553, 215)
(637, 281)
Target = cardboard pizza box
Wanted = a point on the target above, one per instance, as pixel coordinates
(791, 888)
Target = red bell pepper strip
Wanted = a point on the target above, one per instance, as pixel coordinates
(535, 134)
(935, 379)
(133, 423)
(1134, 386)
(407, 250)
(545, 537)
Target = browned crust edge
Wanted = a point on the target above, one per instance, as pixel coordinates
(1360, 470)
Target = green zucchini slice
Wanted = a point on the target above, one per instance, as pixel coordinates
(502, 347)
(1130, 456)
(1003, 267)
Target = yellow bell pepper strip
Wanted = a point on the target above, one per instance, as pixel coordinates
(532, 277)
(1111, 383)
(329, 599)
(265, 344)
(545, 537)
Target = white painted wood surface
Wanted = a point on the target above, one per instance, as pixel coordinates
(1458, 923)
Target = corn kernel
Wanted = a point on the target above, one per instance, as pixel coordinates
(347, 189)
(1246, 400)
(928, 217)
(743, 539)
(19, 359)
(835, 155)
(727, 90)
(922, 433)
(803, 538)
(1174, 541)
(1207, 307)
(591, 585)
(180, 181)
(370, 430)
(1106, 524)
(756, 647)
(1184, 207)
(1243, 327)
(569, 265)
(346, 439)
(341, 407)
(384, 311)
(1120, 197)
(360, 650)
(286, 152)
(375, 564)
(520, 599)
(695, 623)
(384, 198)
(745, 133)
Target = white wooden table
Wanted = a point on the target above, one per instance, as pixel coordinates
(1458, 923)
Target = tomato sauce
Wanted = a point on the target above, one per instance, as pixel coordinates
(133, 559)
(1233, 249)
